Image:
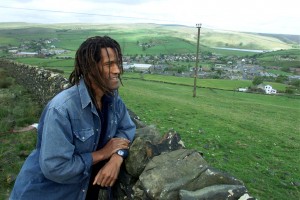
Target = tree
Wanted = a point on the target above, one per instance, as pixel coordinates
(295, 83)
(281, 79)
(257, 80)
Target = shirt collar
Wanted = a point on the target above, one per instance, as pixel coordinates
(86, 98)
(84, 94)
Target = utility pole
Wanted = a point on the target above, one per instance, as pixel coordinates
(198, 26)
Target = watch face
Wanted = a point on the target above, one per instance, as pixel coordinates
(120, 152)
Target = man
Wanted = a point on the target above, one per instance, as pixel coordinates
(84, 132)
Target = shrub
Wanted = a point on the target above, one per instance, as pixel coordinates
(257, 80)
(5, 83)
(255, 89)
(295, 83)
(290, 90)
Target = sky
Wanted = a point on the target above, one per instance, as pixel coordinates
(260, 16)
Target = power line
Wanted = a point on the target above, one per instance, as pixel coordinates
(118, 16)
(103, 15)
(81, 13)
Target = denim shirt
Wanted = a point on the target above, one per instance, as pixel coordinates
(68, 132)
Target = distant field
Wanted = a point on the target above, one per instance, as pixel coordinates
(243, 41)
(287, 58)
(222, 84)
(62, 64)
(166, 39)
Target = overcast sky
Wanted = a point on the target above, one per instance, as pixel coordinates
(263, 16)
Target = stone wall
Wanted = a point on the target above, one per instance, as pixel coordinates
(43, 83)
(158, 167)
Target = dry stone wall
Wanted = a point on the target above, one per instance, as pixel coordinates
(43, 83)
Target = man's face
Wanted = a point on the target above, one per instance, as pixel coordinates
(109, 68)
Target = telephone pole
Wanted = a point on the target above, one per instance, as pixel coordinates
(198, 26)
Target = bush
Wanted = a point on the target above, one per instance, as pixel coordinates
(295, 83)
(281, 79)
(257, 80)
(6, 82)
(289, 90)
(255, 89)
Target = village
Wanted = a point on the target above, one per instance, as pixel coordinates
(221, 67)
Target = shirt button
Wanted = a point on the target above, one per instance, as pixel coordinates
(83, 138)
(83, 190)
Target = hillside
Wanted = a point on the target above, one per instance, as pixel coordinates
(158, 34)
(149, 41)
(291, 39)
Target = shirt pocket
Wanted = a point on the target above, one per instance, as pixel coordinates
(84, 140)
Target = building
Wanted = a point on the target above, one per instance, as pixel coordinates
(137, 67)
(267, 88)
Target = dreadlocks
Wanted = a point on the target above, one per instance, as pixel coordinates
(87, 58)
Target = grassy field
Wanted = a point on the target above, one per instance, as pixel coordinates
(287, 58)
(223, 84)
(253, 137)
(17, 110)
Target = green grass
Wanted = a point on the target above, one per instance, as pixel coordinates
(223, 84)
(253, 137)
(14, 149)
(242, 40)
(51, 63)
(279, 72)
(17, 109)
(276, 58)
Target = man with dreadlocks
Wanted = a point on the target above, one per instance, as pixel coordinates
(84, 132)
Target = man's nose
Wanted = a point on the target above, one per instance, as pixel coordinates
(115, 69)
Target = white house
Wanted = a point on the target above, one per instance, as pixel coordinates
(137, 67)
(242, 89)
(269, 90)
(26, 54)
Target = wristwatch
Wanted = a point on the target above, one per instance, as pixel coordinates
(122, 153)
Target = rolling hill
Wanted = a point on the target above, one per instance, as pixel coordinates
(158, 34)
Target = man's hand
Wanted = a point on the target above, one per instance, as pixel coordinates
(108, 174)
(109, 149)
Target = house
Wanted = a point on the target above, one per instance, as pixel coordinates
(242, 89)
(137, 67)
(270, 90)
(13, 51)
(267, 88)
(27, 54)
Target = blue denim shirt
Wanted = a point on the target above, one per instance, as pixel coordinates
(68, 132)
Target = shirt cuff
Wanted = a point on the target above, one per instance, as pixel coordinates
(88, 162)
